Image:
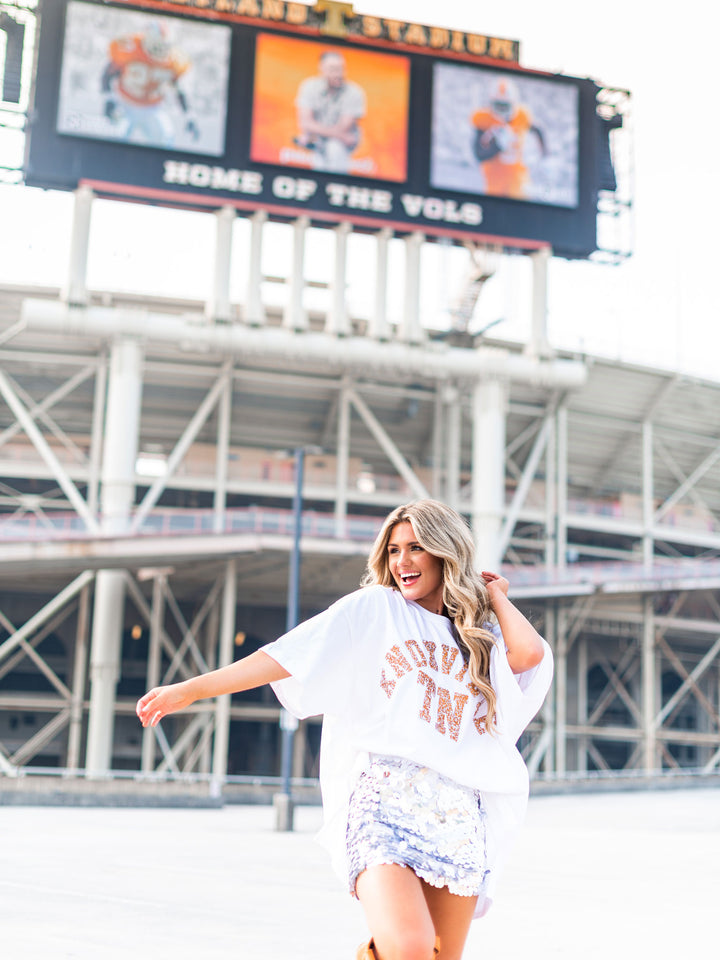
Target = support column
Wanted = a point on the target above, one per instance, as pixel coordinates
(582, 701)
(561, 478)
(225, 656)
(211, 647)
(343, 458)
(551, 505)
(539, 345)
(548, 712)
(218, 307)
(560, 685)
(116, 500)
(488, 471)
(411, 331)
(75, 290)
(96, 436)
(153, 668)
(295, 316)
(338, 321)
(222, 452)
(72, 761)
(379, 328)
(649, 687)
(438, 434)
(254, 311)
(648, 495)
(453, 449)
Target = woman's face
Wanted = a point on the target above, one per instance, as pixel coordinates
(417, 573)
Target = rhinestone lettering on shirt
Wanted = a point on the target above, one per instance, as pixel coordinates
(439, 704)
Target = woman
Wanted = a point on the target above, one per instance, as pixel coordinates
(426, 677)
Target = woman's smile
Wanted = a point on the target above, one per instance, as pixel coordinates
(417, 573)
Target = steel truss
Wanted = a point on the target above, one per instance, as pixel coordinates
(524, 444)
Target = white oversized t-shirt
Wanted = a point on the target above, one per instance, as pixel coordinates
(390, 679)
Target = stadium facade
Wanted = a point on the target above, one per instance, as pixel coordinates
(147, 474)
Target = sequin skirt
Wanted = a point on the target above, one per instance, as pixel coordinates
(407, 814)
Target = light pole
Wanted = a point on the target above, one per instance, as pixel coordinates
(283, 801)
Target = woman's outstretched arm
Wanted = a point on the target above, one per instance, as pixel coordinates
(252, 671)
(524, 644)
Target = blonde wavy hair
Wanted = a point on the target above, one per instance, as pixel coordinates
(444, 533)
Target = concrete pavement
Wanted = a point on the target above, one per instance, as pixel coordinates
(627, 876)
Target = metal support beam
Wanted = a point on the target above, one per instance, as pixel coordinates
(523, 487)
(338, 321)
(551, 493)
(147, 761)
(50, 608)
(689, 683)
(96, 436)
(696, 475)
(225, 656)
(648, 674)
(561, 477)
(181, 448)
(222, 451)
(411, 330)
(561, 687)
(581, 679)
(342, 354)
(295, 316)
(648, 494)
(343, 458)
(379, 326)
(254, 309)
(41, 445)
(75, 291)
(39, 410)
(488, 473)
(538, 344)
(117, 495)
(387, 445)
(219, 307)
(453, 445)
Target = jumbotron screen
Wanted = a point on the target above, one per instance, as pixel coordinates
(332, 115)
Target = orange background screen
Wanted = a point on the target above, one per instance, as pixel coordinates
(282, 63)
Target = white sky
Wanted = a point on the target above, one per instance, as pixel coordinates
(661, 307)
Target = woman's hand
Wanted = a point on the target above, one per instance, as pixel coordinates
(496, 585)
(245, 674)
(160, 701)
(523, 643)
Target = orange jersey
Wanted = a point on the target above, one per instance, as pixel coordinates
(142, 77)
(505, 174)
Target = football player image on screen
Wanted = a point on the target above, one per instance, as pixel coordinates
(142, 84)
(329, 108)
(501, 130)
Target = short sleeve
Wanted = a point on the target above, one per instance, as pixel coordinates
(317, 655)
(520, 695)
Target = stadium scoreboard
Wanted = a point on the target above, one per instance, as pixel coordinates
(315, 111)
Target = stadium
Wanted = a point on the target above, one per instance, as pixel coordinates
(167, 465)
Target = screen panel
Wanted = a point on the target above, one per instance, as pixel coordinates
(144, 79)
(504, 135)
(336, 109)
(416, 163)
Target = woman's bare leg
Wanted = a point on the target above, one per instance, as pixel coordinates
(397, 913)
(451, 916)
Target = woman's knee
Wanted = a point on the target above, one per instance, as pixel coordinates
(418, 944)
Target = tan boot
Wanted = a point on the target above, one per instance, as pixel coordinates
(366, 951)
